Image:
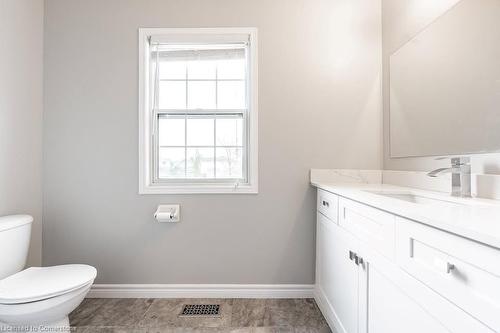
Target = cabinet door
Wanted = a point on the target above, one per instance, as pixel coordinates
(395, 302)
(390, 310)
(337, 274)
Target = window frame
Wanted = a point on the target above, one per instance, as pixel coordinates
(148, 182)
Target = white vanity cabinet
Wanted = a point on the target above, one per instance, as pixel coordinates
(366, 283)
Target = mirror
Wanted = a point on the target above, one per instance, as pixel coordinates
(445, 85)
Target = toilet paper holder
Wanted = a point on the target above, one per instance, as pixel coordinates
(167, 213)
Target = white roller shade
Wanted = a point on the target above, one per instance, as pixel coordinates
(164, 52)
(198, 38)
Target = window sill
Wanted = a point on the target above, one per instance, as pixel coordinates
(198, 189)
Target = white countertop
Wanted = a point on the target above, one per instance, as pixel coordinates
(473, 218)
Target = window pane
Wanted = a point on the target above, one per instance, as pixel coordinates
(201, 69)
(171, 163)
(201, 95)
(200, 131)
(172, 95)
(231, 95)
(229, 131)
(173, 70)
(200, 163)
(171, 131)
(231, 69)
(229, 162)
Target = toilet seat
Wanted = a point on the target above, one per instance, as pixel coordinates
(39, 283)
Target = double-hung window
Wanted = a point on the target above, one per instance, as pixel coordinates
(198, 110)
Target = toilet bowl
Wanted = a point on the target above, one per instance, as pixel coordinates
(38, 298)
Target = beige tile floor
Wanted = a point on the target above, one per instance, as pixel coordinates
(161, 315)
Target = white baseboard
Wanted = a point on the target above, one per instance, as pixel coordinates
(201, 291)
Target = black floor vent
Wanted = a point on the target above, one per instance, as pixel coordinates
(200, 310)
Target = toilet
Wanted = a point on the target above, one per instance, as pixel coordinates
(37, 298)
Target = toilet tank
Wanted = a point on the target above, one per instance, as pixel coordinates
(15, 231)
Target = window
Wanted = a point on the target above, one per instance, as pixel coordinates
(198, 110)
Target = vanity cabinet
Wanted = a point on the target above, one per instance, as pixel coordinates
(367, 283)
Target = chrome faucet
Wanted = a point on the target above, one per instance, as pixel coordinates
(460, 176)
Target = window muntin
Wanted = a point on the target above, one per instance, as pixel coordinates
(201, 146)
(200, 113)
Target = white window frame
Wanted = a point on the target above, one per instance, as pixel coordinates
(147, 184)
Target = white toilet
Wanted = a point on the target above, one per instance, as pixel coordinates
(37, 298)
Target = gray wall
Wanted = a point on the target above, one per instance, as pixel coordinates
(21, 104)
(319, 106)
(401, 21)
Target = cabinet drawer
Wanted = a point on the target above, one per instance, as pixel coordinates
(328, 204)
(463, 271)
(373, 226)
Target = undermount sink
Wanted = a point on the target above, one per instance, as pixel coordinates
(415, 198)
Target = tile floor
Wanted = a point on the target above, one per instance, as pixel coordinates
(161, 316)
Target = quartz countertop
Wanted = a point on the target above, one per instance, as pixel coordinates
(473, 218)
